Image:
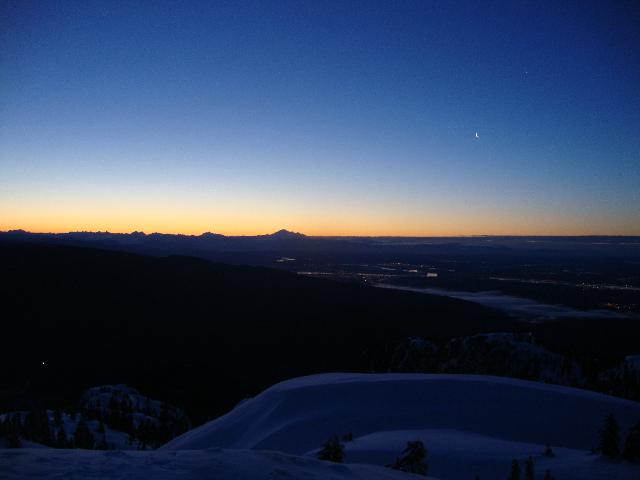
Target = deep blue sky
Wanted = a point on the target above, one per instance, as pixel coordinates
(323, 117)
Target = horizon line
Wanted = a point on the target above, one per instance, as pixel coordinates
(286, 231)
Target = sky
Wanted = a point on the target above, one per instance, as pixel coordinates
(328, 118)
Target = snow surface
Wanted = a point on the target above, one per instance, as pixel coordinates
(186, 465)
(298, 415)
(471, 425)
(462, 455)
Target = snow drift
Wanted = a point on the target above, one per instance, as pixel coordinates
(298, 415)
(472, 426)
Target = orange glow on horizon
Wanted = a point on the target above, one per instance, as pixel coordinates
(255, 218)
(358, 231)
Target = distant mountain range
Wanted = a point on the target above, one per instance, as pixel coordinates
(212, 245)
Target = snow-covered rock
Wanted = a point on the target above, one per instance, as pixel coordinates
(633, 361)
(103, 400)
(505, 354)
(115, 416)
(623, 379)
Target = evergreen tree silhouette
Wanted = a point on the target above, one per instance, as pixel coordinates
(61, 438)
(515, 471)
(412, 459)
(631, 451)
(57, 418)
(82, 437)
(528, 469)
(13, 426)
(609, 444)
(332, 451)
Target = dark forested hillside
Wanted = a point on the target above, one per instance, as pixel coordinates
(197, 334)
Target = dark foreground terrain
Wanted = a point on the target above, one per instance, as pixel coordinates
(203, 336)
(198, 334)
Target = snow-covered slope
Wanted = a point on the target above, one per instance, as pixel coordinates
(186, 465)
(460, 455)
(298, 415)
(471, 425)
